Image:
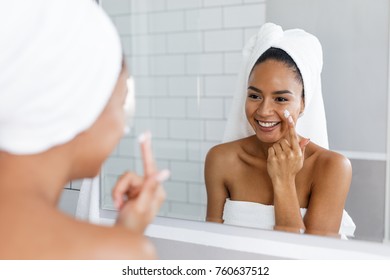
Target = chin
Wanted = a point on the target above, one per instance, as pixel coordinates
(268, 139)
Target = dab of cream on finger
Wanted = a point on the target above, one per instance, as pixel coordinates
(163, 175)
(144, 136)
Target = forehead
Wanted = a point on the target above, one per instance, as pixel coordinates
(274, 74)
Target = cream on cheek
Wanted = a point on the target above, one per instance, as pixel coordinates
(293, 109)
(129, 105)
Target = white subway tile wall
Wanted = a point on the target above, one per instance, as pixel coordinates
(184, 56)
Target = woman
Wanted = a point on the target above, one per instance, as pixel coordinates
(62, 96)
(272, 177)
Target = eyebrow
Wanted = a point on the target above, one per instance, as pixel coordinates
(284, 91)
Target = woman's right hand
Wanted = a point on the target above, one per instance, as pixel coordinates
(138, 198)
(286, 157)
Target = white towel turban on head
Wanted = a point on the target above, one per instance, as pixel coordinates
(306, 51)
(59, 63)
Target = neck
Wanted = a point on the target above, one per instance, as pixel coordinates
(261, 148)
(42, 174)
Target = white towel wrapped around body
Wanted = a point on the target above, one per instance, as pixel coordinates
(257, 215)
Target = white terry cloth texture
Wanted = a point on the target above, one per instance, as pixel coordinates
(59, 61)
(306, 51)
(257, 215)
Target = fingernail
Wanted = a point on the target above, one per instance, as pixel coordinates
(286, 113)
(305, 142)
(144, 136)
(163, 175)
(290, 119)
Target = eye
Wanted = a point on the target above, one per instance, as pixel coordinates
(253, 96)
(281, 99)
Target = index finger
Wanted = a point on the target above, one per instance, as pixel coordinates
(291, 127)
(147, 155)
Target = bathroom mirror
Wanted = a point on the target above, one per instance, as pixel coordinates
(185, 56)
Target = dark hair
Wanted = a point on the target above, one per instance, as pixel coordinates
(281, 56)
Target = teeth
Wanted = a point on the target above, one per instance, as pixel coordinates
(267, 124)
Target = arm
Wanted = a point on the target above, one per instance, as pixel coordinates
(216, 190)
(287, 209)
(285, 160)
(101, 242)
(332, 179)
(39, 231)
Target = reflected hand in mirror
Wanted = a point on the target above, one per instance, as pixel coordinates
(266, 175)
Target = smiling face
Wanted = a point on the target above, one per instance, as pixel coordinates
(272, 88)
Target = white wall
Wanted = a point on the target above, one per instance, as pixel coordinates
(185, 57)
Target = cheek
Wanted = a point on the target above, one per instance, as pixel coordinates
(248, 109)
(118, 125)
(251, 106)
(114, 128)
(294, 109)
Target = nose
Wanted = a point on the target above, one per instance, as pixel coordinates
(265, 108)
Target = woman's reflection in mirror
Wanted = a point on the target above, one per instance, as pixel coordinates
(274, 170)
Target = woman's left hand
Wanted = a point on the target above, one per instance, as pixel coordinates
(286, 157)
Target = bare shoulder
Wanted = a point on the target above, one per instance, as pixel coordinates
(330, 160)
(220, 158)
(331, 168)
(224, 153)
